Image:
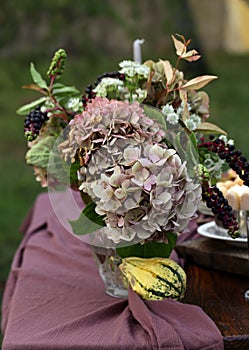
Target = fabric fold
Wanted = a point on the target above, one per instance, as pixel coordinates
(174, 325)
(55, 299)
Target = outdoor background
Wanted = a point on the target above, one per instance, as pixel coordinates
(97, 35)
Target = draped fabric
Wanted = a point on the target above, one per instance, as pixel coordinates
(55, 299)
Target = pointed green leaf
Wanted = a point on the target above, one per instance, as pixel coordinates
(88, 221)
(149, 249)
(65, 90)
(28, 107)
(39, 154)
(37, 78)
(192, 137)
(155, 114)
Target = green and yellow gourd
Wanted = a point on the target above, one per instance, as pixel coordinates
(154, 278)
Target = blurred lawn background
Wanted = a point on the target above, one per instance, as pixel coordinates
(96, 36)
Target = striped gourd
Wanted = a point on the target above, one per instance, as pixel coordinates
(154, 278)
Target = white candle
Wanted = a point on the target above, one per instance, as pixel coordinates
(137, 53)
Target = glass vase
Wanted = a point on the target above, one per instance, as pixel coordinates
(107, 260)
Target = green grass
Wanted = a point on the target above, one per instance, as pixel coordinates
(229, 97)
(229, 102)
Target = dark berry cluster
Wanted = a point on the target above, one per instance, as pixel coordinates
(34, 122)
(222, 210)
(89, 89)
(233, 157)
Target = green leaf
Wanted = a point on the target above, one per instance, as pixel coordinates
(28, 107)
(149, 249)
(40, 153)
(187, 150)
(37, 78)
(155, 114)
(192, 137)
(88, 221)
(65, 90)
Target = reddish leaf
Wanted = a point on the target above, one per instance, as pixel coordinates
(34, 87)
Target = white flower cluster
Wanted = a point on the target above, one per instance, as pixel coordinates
(173, 116)
(137, 95)
(132, 69)
(141, 188)
(108, 85)
(127, 90)
(193, 121)
(74, 104)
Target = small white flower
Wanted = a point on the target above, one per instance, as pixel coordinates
(166, 109)
(74, 104)
(142, 70)
(106, 85)
(225, 139)
(193, 121)
(171, 116)
(141, 94)
(131, 69)
(230, 142)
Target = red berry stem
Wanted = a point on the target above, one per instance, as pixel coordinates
(233, 157)
(221, 209)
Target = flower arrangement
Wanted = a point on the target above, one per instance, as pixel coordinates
(139, 148)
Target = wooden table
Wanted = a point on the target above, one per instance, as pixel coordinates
(222, 296)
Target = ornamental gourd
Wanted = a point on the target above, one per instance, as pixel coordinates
(154, 278)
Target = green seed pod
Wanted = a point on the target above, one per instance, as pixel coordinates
(57, 64)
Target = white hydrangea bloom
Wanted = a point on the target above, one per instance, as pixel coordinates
(140, 185)
(140, 190)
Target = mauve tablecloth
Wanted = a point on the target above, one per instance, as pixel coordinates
(55, 299)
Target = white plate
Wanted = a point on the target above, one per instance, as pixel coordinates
(211, 230)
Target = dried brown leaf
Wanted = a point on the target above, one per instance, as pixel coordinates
(34, 87)
(191, 56)
(168, 71)
(199, 82)
(184, 98)
(179, 46)
(210, 128)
